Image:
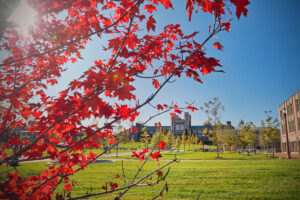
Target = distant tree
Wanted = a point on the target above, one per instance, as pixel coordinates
(247, 135)
(216, 137)
(184, 139)
(157, 138)
(178, 142)
(229, 138)
(241, 132)
(201, 144)
(145, 137)
(205, 132)
(213, 110)
(270, 131)
(191, 132)
(170, 139)
(207, 123)
(261, 139)
(196, 139)
(189, 141)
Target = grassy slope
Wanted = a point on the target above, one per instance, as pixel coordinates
(247, 179)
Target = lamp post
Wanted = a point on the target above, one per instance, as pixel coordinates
(286, 133)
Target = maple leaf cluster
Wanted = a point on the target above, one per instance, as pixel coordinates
(55, 124)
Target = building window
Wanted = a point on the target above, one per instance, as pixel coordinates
(282, 129)
(284, 147)
(181, 127)
(297, 104)
(289, 109)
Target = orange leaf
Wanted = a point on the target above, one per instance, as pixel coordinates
(155, 83)
(218, 45)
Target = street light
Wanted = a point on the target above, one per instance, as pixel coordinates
(286, 133)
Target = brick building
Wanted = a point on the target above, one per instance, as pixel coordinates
(292, 105)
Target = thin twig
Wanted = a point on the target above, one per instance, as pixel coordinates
(125, 187)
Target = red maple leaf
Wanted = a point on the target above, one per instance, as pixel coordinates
(226, 25)
(68, 187)
(218, 45)
(156, 155)
(161, 145)
(190, 7)
(159, 107)
(155, 83)
(113, 186)
(159, 173)
(192, 108)
(104, 187)
(240, 7)
(150, 8)
(151, 23)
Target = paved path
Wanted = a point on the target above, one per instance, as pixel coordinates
(114, 154)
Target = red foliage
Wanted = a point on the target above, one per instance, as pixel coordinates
(155, 155)
(62, 31)
(161, 145)
(140, 155)
(218, 46)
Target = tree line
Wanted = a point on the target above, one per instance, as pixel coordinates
(246, 137)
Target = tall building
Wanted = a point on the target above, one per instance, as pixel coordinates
(178, 125)
(292, 105)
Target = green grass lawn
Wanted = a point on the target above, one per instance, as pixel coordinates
(192, 155)
(245, 179)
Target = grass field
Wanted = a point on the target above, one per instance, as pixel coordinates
(191, 155)
(245, 179)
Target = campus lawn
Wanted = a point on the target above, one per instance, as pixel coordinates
(245, 179)
(192, 155)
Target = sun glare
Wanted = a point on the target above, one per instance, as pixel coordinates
(23, 17)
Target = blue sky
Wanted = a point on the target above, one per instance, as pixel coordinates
(260, 60)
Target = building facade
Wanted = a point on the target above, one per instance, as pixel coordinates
(292, 105)
(178, 125)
